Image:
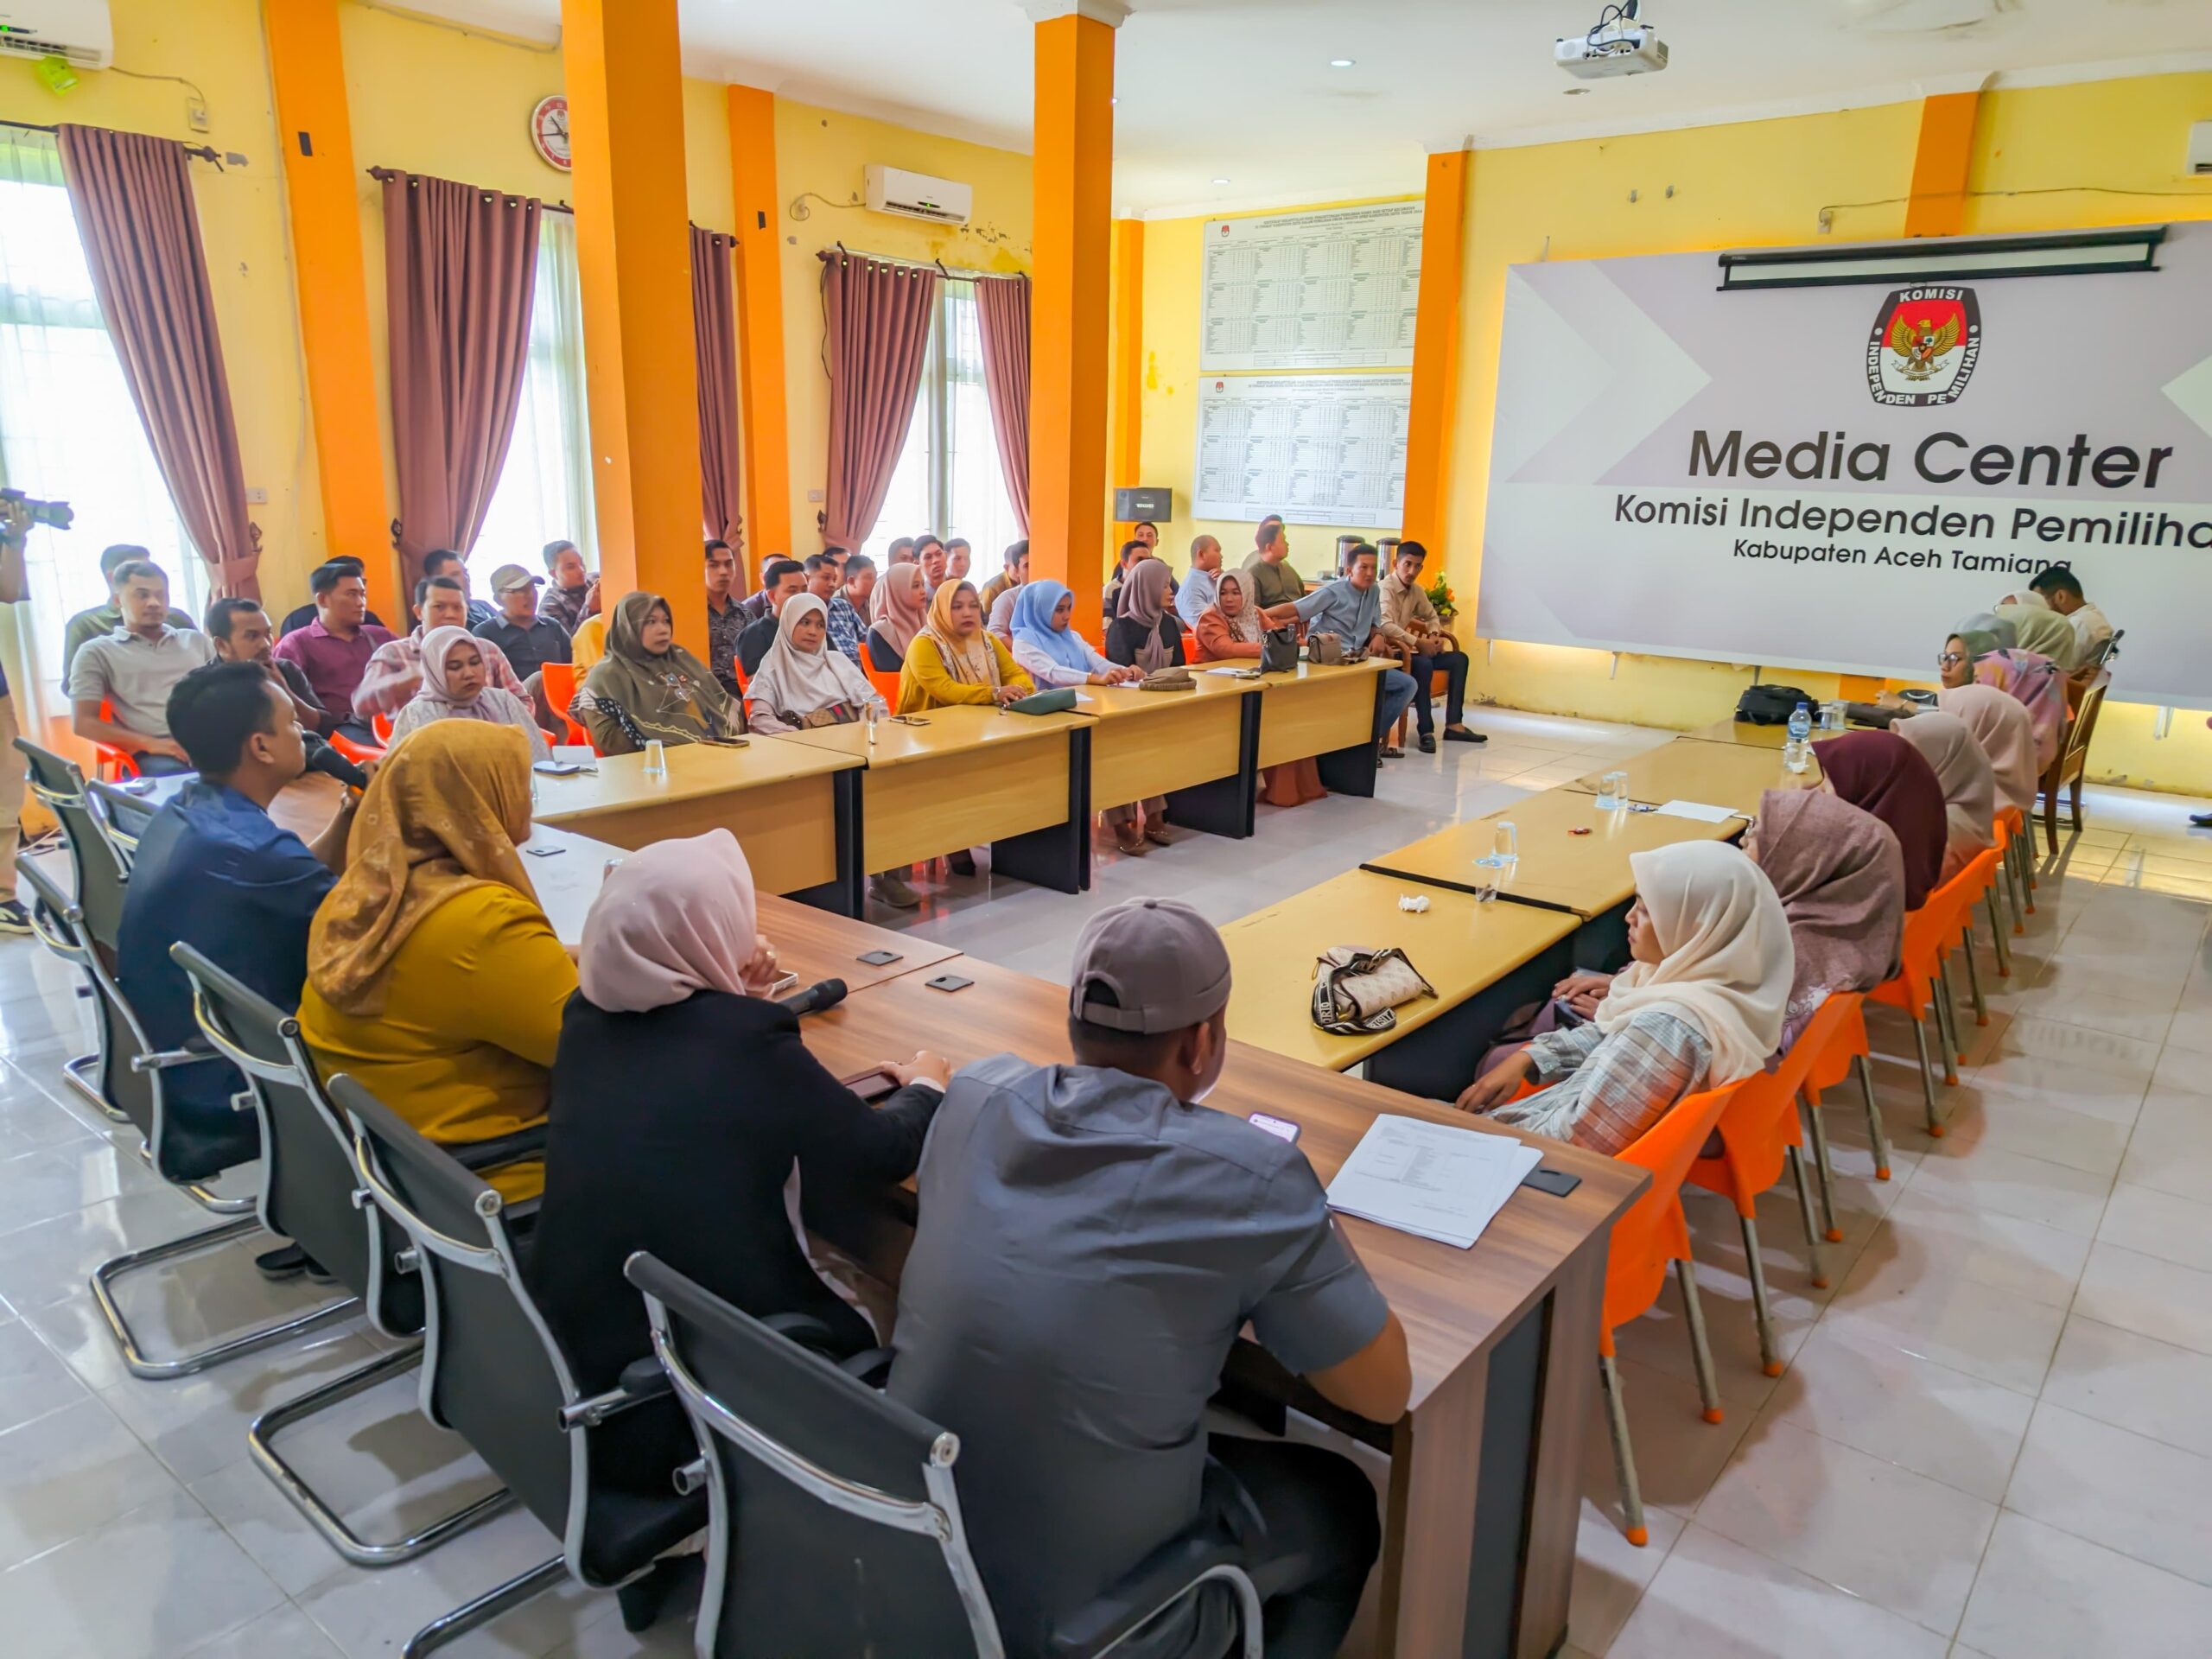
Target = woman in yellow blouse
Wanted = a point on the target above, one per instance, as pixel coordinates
(434, 978)
(953, 660)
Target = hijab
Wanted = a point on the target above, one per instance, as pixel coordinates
(898, 612)
(441, 816)
(972, 661)
(795, 681)
(2034, 682)
(1244, 626)
(1970, 785)
(1987, 630)
(1881, 773)
(1840, 875)
(1727, 962)
(673, 917)
(1033, 607)
(1144, 601)
(668, 696)
(434, 698)
(1999, 723)
(2042, 631)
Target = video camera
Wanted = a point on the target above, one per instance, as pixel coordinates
(57, 515)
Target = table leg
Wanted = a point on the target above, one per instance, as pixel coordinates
(846, 895)
(1226, 806)
(1058, 856)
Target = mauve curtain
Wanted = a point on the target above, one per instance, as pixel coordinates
(132, 198)
(876, 331)
(1002, 308)
(458, 265)
(714, 320)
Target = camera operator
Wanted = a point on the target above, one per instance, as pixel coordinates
(15, 525)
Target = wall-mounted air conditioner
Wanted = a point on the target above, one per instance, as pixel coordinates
(912, 195)
(79, 30)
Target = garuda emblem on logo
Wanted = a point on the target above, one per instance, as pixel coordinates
(1925, 347)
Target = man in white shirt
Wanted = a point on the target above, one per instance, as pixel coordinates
(1196, 596)
(2062, 591)
(132, 670)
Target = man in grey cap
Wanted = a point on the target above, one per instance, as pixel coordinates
(1091, 1242)
(530, 640)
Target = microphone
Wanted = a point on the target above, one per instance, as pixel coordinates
(817, 998)
(323, 759)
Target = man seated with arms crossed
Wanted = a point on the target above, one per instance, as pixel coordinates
(2062, 590)
(726, 617)
(132, 672)
(849, 606)
(784, 580)
(213, 870)
(1273, 582)
(394, 671)
(1202, 586)
(572, 593)
(1350, 608)
(295, 620)
(241, 633)
(1091, 1243)
(1409, 620)
(106, 619)
(529, 640)
(334, 650)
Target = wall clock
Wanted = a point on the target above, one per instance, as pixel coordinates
(549, 131)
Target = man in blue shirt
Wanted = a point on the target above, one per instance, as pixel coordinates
(1351, 608)
(214, 871)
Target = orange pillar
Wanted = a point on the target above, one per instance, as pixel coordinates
(765, 441)
(1937, 205)
(308, 67)
(633, 254)
(1127, 465)
(1435, 392)
(1072, 180)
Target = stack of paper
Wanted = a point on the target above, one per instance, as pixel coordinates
(1429, 1179)
(1701, 811)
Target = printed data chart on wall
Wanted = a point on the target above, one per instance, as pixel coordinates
(1335, 288)
(1317, 448)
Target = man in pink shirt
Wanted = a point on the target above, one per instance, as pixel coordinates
(333, 649)
(395, 672)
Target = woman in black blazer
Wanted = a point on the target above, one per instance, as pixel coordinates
(682, 1102)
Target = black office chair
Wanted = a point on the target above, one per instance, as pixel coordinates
(495, 1372)
(837, 1529)
(134, 1072)
(310, 1194)
(123, 815)
(59, 785)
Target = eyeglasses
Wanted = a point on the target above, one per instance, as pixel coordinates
(1949, 660)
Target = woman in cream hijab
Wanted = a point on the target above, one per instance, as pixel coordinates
(1701, 1005)
(802, 681)
(2000, 724)
(1970, 785)
(2039, 628)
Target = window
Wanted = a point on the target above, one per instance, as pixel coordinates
(68, 428)
(544, 490)
(948, 479)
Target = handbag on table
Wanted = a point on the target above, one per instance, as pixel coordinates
(1354, 990)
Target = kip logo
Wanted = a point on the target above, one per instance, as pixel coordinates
(1925, 347)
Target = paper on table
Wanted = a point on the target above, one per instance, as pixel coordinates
(1699, 811)
(1429, 1179)
(1082, 698)
(1232, 669)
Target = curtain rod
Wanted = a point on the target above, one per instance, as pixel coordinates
(198, 152)
(380, 173)
(957, 273)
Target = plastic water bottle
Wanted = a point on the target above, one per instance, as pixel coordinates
(1799, 754)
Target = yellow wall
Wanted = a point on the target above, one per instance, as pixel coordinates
(1174, 261)
(820, 156)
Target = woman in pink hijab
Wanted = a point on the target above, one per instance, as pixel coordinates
(2000, 724)
(683, 1101)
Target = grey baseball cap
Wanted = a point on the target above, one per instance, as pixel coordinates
(509, 576)
(1161, 963)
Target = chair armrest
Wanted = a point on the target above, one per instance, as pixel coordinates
(641, 1380)
(1154, 1584)
(196, 1048)
(505, 1149)
(871, 1365)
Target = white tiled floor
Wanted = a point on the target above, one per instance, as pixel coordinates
(1993, 1439)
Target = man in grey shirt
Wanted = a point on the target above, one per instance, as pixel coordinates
(1091, 1242)
(119, 683)
(1351, 608)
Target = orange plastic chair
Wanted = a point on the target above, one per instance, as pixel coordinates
(1976, 883)
(381, 725)
(1912, 989)
(1652, 1235)
(358, 753)
(559, 680)
(2013, 839)
(887, 685)
(1836, 1037)
(108, 761)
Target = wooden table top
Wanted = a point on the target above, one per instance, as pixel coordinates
(1460, 946)
(1107, 701)
(1452, 1302)
(1744, 735)
(694, 770)
(1588, 874)
(1306, 670)
(305, 806)
(1714, 774)
(948, 731)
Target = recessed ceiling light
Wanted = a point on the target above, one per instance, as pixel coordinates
(1340, 63)
(1221, 180)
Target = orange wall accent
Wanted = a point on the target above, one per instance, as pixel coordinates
(1128, 363)
(1938, 207)
(315, 137)
(1073, 182)
(765, 441)
(633, 253)
(1436, 353)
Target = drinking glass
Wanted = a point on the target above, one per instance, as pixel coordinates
(1612, 792)
(656, 759)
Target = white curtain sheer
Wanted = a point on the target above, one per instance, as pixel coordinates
(544, 492)
(68, 431)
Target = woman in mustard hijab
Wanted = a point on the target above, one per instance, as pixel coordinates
(434, 977)
(954, 661)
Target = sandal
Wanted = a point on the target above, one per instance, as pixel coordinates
(1392, 751)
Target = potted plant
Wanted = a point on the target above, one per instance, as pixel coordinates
(1445, 601)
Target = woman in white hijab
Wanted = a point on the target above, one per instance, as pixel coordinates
(1701, 1005)
(802, 681)
(2000, 724)
(456, 685)
(1968, 780)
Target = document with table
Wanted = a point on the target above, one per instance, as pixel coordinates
(1429, 1179)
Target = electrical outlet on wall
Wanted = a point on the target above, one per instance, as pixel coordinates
(814, 497)
(195, 114)
(255, 498)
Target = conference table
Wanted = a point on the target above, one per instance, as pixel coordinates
(957, 777)
(1714, 774)
(1478, 1548)
(796, 811)
(1483, 959)
(1199, 748)
(1324, 714)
